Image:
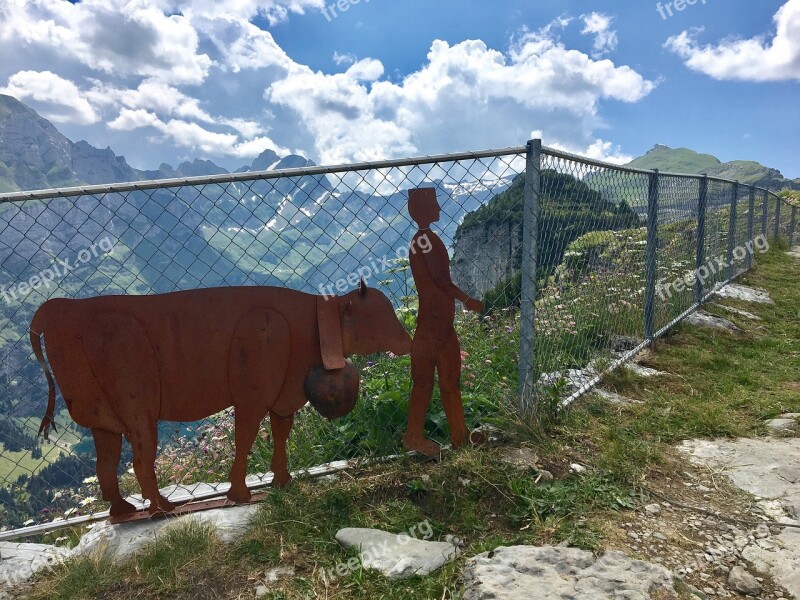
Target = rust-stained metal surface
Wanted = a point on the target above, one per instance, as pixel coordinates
(435, 349)
(183, 508)
(122, 363)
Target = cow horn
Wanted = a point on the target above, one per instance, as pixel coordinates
(330, 332)
(362, 287)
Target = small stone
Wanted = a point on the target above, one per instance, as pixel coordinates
(653, 510)
(544, 476)
(577, 468)
(742, 581)
(262, 591)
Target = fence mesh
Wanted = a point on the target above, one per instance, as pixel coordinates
(318, 231)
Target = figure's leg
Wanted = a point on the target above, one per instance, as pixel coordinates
(247, 425)
(109, 446)
(281, 426)
(450, 386)
(144, 441)
(423, 367)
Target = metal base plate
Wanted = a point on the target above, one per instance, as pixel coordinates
(183, 509)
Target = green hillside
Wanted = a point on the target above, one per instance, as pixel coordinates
(675, 160)
(684, 160)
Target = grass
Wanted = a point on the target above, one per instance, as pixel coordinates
(723, 385)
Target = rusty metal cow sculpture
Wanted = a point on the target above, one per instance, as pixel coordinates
(123, 363)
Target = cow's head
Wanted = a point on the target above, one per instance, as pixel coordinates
(369, 324)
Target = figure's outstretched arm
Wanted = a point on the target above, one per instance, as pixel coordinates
(438, 264)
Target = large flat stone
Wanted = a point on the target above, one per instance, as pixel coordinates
(643, 371)
(738, 312)
(768, 468)
(734, 291)
(124, 540)
(396, 556)
(20, 562)
(559, 573)
(708, 321)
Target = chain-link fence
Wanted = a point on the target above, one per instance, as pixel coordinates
(580, 264)
(621, 255)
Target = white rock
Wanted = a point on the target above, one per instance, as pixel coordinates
(397, 556)
(738, 311)
(614, 398)
(747, 294)
(19, 561)
(742, 581)
(708, 321)
(653, 510)
(126, 539)
(643, 371)
(559, 573)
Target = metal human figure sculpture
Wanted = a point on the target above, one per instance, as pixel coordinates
(435, 347)
(123, 363)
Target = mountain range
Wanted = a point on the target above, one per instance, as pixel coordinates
(35, 155)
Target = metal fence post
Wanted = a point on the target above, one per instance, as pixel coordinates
(530, 242)
(751, 223)
(652, 244)
(777, 219)
(702, 206)
(765, 215)
(732, 228)
(793, 227)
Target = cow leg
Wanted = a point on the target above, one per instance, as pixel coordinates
(109, 446)
(247, 426)
(281, 426)
(144, 440)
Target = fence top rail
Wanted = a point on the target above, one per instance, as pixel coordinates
(226, 178)
(612, 166)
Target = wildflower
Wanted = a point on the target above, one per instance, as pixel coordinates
(87, 501)
(28, 522)
(92, 479)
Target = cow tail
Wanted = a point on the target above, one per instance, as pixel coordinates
(36, 342)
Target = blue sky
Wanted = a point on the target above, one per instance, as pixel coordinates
(167, 80)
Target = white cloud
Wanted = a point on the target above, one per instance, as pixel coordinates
(763, 58)
(114, 37)
(128, 120)
(275, 11)
(194, 137)
(599, 25)
(62, 100)
(344, 59)
(467, 96)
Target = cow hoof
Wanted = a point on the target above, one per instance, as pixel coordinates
(239, 496)
(281, 480)
(121, 508)
(163, 506)
(423, 446)
(475, 438)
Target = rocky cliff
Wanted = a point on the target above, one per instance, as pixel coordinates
(488, 249)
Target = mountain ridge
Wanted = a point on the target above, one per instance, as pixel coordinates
(34, 154)
(685, 160)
